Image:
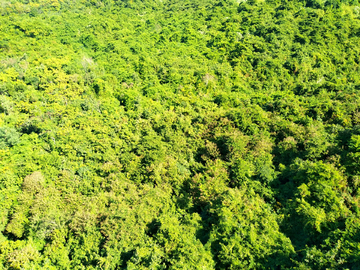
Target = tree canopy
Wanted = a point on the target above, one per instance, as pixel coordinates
(179, 134)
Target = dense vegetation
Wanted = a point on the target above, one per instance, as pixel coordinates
(179, 134)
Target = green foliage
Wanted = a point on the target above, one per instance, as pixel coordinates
(247, 235)
(179, 134)
(8, 137)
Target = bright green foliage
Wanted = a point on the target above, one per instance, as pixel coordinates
(200, 134)
(8, 137)
(247, 235)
